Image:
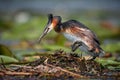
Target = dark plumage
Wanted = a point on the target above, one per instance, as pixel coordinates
(74, 23)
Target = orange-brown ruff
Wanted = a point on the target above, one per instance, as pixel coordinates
(81, 36)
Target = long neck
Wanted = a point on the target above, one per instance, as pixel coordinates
(58, 28)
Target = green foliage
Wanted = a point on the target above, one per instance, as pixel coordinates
(4, 50)
(28, 30)
(6, 59)
(113, 47)
(109, 63)
(20, 54)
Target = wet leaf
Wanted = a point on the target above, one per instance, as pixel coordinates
(114, 68)
(6, 59)
(4, 50)
(108, 62)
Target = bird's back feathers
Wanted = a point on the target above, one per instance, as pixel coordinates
(83, 33)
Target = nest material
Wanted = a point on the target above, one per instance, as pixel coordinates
(59, 65)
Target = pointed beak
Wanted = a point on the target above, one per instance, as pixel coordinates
(48, 28)
(45, 32)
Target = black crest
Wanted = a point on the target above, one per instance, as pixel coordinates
(50, 17)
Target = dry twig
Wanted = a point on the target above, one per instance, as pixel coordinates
(66, 71)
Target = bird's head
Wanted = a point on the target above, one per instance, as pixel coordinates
(53, 22)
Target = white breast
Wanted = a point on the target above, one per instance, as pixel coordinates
(71, 37)
(74, 39)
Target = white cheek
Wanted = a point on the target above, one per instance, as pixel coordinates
(51, 26)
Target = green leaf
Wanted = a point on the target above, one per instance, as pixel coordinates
(4, 50)
(6, 59)
(108, 62)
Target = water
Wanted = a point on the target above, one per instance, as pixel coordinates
(56, 5)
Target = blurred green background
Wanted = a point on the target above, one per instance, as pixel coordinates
(22, 22)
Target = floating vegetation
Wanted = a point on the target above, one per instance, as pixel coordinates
(60, 65)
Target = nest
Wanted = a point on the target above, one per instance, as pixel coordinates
(60, 65)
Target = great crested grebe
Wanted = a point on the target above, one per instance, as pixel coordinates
(81, 36)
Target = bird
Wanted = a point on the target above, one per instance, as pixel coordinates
(79, 34)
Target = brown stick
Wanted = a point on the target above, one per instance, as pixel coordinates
(64, 70)
(17, 73)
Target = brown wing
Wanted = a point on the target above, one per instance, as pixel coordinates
(86, 35)
(81, 31)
